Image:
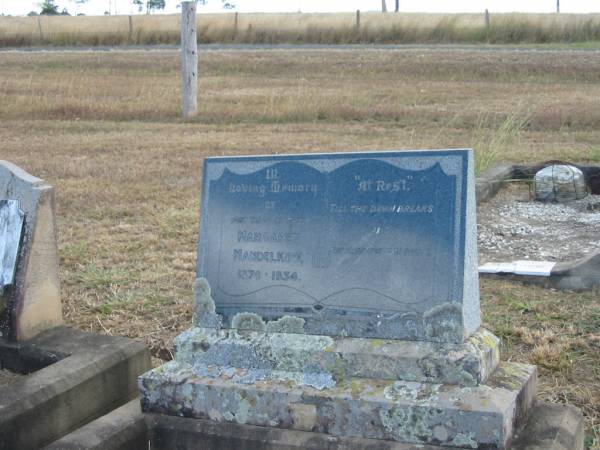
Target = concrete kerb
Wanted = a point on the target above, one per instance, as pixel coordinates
(581, 274)
(93, 375)
(122, 429)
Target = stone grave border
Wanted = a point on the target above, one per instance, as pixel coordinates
(580, 274)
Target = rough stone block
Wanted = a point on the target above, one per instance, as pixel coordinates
(466, 364)
(484, 416)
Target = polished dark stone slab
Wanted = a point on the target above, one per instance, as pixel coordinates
(375, 244)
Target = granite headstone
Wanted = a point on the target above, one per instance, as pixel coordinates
(373, 244)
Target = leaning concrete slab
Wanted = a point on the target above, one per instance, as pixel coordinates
(87, 376)
(578, 275)
(33, 302)
(121, 429)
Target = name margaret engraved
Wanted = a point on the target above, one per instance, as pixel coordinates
(263, 236)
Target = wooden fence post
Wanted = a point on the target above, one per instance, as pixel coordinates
(189, 59)
(235, 25)
(487, 19)
(39, 22)
(130, 39)
(557, 6)
(358, 20)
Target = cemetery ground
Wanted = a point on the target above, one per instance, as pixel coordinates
(104, 129)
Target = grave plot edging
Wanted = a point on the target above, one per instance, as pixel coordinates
(98, 375)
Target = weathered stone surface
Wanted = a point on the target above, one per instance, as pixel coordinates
(550, 427)
(377, 244)
(34, 299)
(466, 364)
(466, 417)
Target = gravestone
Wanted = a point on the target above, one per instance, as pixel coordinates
(31, 301)
(381, 247)
(338, 293)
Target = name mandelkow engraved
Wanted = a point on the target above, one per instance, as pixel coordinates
(242, 255)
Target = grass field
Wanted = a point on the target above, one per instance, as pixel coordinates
(104, 129)
(329, 28)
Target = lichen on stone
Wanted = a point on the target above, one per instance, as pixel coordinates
(202, 295)
(247, 322)
(286, 324)
(444, 322)
(204, 306)
(412, 424)
(464, 440)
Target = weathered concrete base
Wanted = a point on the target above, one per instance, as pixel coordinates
(466, 417)
(121, 429)
(89, 375)
(466, 364)
(551, 427)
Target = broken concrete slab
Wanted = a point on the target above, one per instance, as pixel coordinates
(484, 416)
(466, 364)
(76, 377)
(33, 301)
(121, 429)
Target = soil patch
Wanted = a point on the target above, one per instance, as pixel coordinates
(513, 226)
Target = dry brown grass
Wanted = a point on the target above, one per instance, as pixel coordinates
(331, 28)
(104, 129)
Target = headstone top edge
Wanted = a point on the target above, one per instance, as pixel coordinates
(24, 175)
(333, 155)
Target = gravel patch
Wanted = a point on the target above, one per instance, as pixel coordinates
(512, 226)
